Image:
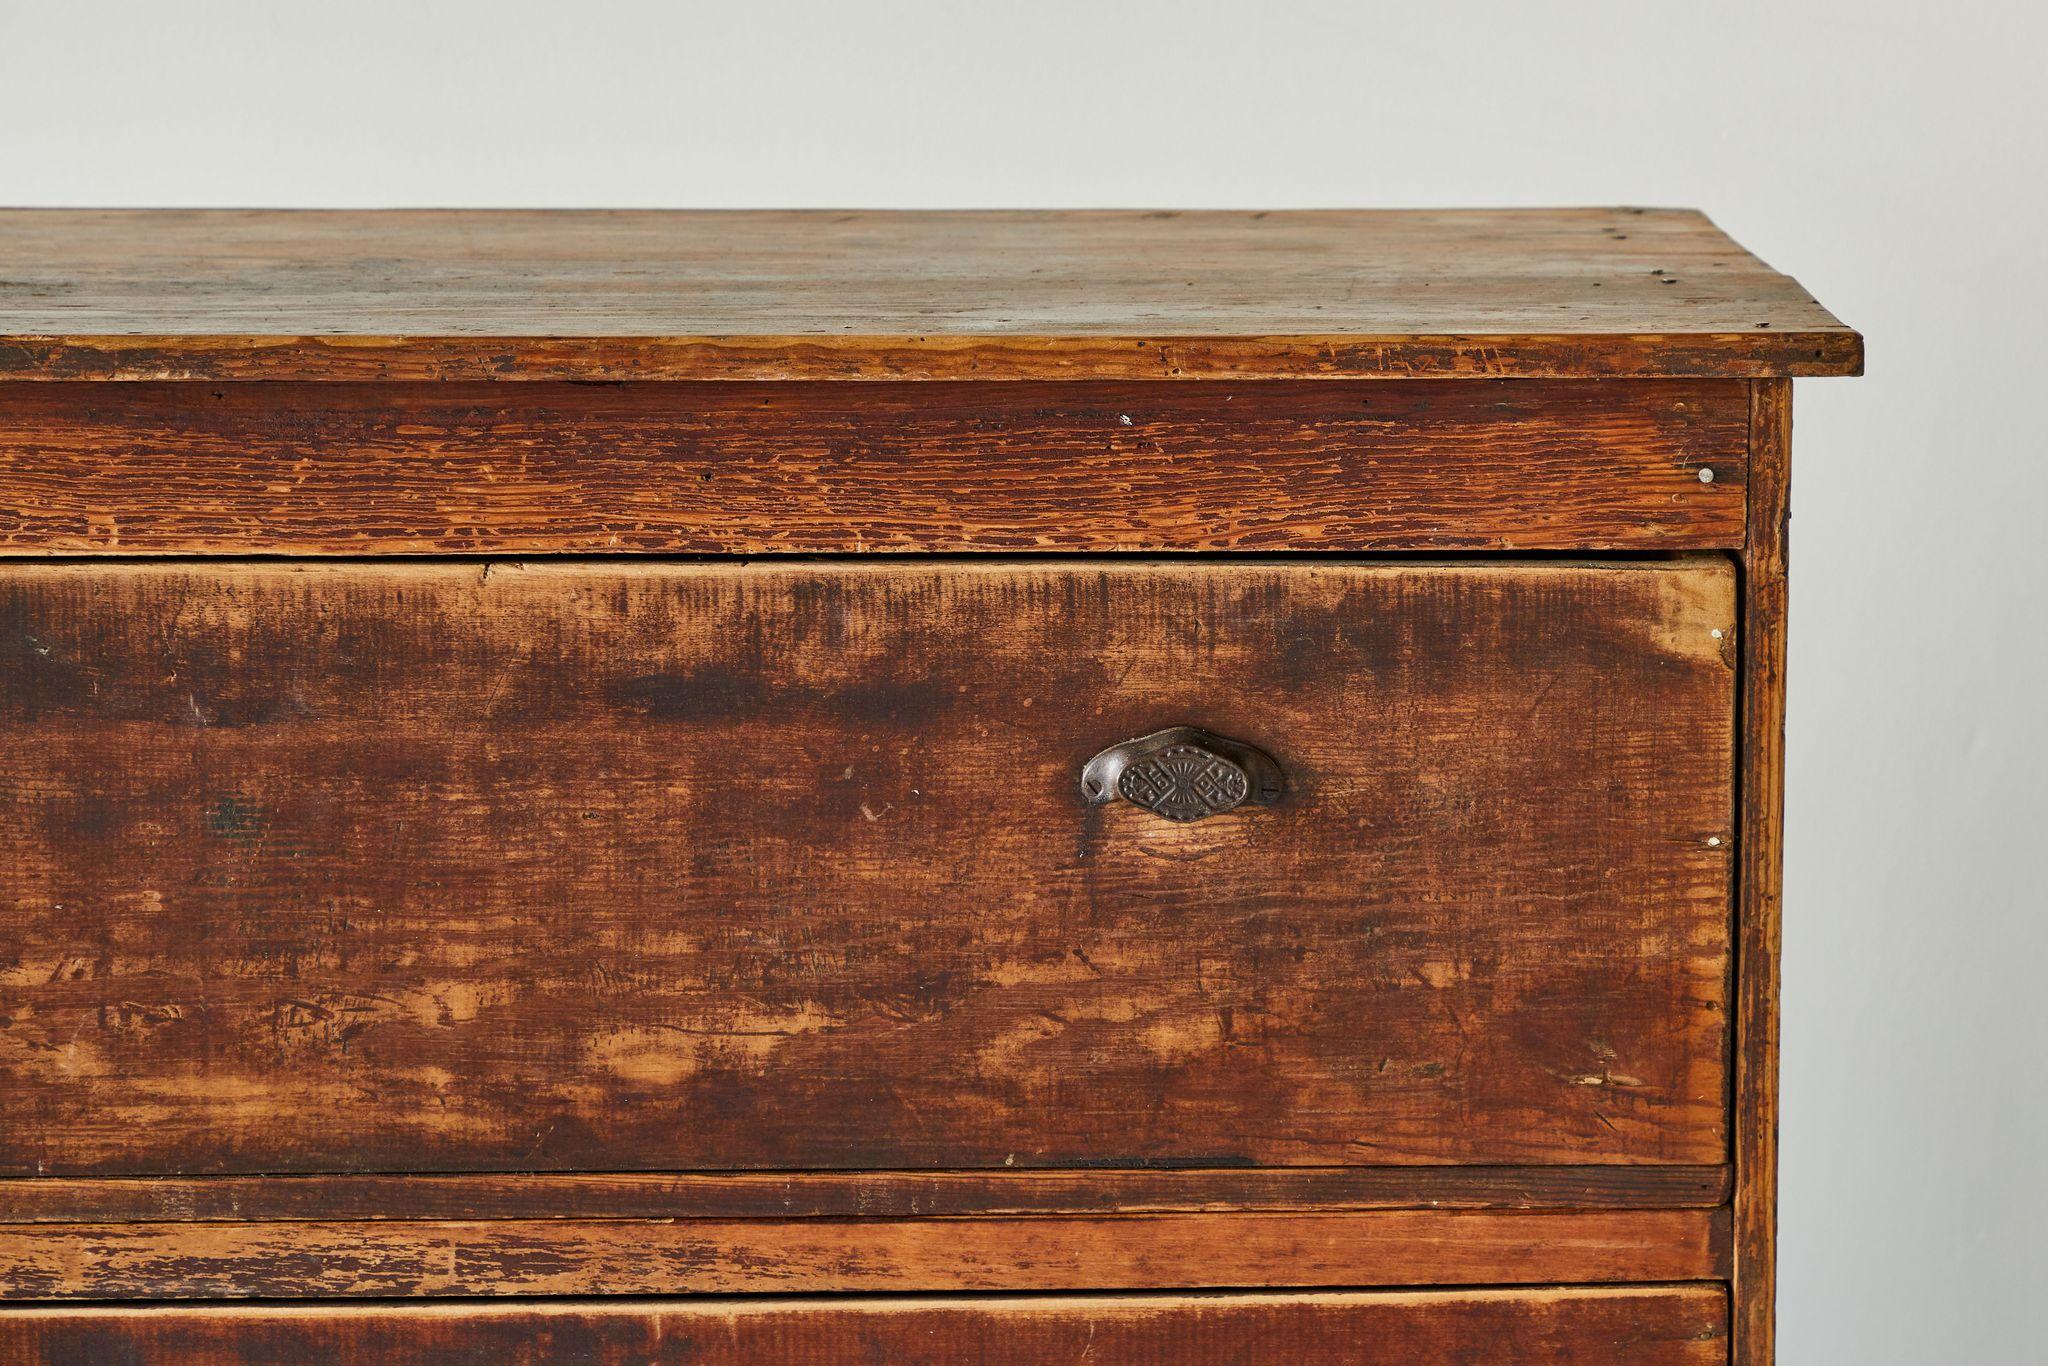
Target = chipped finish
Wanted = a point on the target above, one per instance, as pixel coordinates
(1671, 1325)
(405, 1258)
(446, 867)
(149, 469)
(449, 296)
(876, 1195)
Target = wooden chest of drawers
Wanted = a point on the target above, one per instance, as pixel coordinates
(917, 787)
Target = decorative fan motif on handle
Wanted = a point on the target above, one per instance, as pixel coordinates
(1183, 774)
(1183, 783)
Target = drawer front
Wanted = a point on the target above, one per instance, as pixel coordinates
(408, 1256)
(357, 469)
(586, 866)
(1646, 1326)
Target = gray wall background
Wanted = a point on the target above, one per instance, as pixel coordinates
(1889, 154)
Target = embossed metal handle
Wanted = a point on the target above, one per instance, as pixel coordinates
(1182, 774)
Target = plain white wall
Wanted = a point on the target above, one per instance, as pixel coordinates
(1891, 155)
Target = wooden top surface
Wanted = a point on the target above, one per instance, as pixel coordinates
(266, 294)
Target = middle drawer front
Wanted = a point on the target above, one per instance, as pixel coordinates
(560, 866)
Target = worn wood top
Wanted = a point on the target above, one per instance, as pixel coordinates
(224, 295)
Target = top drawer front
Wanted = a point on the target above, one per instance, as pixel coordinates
(1638, 1326)
(817, 468)
(441, 867)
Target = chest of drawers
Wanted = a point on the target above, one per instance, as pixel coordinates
(760, 787)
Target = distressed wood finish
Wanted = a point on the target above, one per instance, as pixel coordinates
(447, 867)
(987, 296)
(746, 1195)
(1760, 918)
(1632, 1326)
(756, 1256)
(146, 469)
(384, 927)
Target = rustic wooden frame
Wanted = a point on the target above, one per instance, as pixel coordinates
(1759, 880)
(963, 410)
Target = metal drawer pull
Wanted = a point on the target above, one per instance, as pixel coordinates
(1182, 774)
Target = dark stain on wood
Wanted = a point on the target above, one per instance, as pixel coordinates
(465, 905)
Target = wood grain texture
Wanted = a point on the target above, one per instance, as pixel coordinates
(1759, 931)
(1525, 293)
(406, 1258)
(572, 866)
(148, 469)
(1678, 1325)
(746, 1195)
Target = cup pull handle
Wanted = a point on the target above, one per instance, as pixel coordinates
(1183, 774)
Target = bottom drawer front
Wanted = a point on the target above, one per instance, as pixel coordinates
(1644, 1326)
(305, 1259)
